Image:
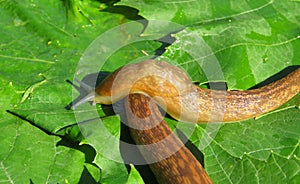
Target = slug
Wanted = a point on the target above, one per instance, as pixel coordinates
(172, 89)
(179, 166)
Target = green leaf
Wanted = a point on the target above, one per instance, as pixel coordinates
(250, 41)
(241, 43)
(253, 150)
(134, 177)
(29, 154)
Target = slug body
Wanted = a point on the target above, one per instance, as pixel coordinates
(172, 89)
(170, 161)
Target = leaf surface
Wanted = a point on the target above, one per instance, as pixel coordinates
(240, 43)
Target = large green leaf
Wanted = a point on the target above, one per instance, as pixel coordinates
(241, 43)
(263, 150)
(249, 40)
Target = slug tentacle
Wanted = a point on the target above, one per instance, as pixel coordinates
(87, 94)
(172, 89)
(85, 86)
(87, 98)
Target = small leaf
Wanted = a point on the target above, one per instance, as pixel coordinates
(134, 176)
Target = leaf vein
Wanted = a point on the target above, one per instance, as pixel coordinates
(235, 15)
(27, 59)
(241, 44)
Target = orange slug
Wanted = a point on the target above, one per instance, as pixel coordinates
(172, 89)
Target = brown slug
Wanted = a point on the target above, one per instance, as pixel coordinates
(179, 165)
(172, 89)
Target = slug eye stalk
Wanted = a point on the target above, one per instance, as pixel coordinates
(87, 94)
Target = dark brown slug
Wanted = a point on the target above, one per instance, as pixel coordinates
(174, 163)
